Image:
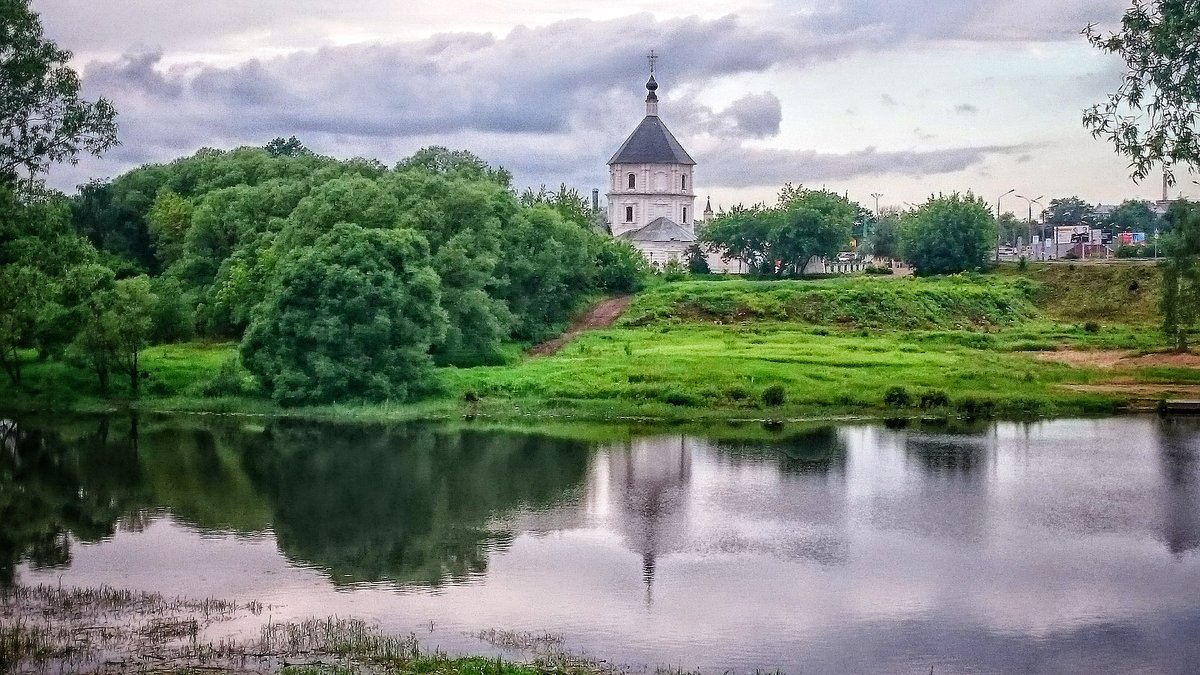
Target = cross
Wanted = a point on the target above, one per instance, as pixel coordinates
(652, 57)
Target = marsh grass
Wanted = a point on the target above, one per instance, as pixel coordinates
(90, 630)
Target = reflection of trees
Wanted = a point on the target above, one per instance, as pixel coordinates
(819, 450)
(52, 488)
(408, 504)
(1181, 498)
(947, 453)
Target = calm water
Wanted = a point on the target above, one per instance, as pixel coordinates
(1070, 546)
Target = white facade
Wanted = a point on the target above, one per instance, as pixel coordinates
(658, 191)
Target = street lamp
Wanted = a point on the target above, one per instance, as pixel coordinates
(998, 221)
(877, 195)
(1029, 220)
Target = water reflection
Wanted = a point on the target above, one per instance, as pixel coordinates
(995, 548)
(1178, 443)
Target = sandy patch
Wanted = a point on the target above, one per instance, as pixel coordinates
(1154, 391)
(1116, 358)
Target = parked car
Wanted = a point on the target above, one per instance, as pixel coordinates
(845, 257)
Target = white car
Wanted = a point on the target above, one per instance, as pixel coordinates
(845, 257)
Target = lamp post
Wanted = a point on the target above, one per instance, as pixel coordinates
(998, 221)
(1029, 220)
(876, 195)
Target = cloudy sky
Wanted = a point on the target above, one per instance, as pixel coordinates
(901, 97)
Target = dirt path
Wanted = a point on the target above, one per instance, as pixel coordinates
(1113, 358)
(600, 315)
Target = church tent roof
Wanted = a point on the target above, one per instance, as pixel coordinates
(651, 143)
(659, 230)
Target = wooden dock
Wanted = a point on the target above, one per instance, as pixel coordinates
(1179, 407)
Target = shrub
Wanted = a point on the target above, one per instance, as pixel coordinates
(878, 271)
(1091, 327)
(232, 379)
(470, 396)
(774, 395)
(738, 393)
(680, 398)
(897, 397)
(934, 398)
(1023, 264)
(976, 408)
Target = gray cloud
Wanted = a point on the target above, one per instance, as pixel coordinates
(739, 166)
(966, 109)
(752, 116)
(888, 100)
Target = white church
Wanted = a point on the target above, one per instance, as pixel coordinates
(651, 198)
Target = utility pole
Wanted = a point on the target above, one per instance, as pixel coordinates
(1029, 219)
(998, 221)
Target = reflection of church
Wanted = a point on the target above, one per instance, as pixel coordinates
(650, 479)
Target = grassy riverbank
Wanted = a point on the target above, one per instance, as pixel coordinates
(980, 345)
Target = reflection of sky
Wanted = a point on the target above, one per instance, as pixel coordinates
(1042, 548)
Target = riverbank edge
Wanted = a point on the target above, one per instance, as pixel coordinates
(1059, 405)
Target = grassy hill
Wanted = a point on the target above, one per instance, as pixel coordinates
(951, 303)
(1114, 293)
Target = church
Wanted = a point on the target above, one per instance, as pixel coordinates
(651, 199)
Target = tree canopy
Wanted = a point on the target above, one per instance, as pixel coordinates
(782, 239)
(1151, 118)
(43, 119)
(948, 235)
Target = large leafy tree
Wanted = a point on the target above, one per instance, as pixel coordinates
(884, 241)
(947, 235)
(1180, 300)
(1133, 215)
(782, 239)
(43, 119)
(1152, 116)
(1070, 211)
(351, 317)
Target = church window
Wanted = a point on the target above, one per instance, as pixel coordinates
(683, 186)
(632, 181)
(685, 215)
(629, 212)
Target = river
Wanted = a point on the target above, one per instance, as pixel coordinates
(1056, 546)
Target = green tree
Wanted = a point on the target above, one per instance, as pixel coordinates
(351, 317)
(885, 239)
(115, 323)
(43, 118)
(1009, 228)
(1070, 211)
(287, 147)
(1180, 299)
(782, 239)
(458, 163)
(168, 220)
(1151, 118)
(23, 299)
(1133, 215)
(947, 235)
(132, 320)
(697, 261)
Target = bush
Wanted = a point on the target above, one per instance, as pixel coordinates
(934, 398)
(975, 408)
(674, 270)
(232, 379)
(878, 271)
(897, 397)
(1091, 327)
(679, 398)
(1023, 264)
(948, 235)
(774, 395)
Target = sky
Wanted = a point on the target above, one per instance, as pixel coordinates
(902, 98)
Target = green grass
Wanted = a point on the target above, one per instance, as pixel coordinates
(950, 303)
(1125, 293)
(703, 350)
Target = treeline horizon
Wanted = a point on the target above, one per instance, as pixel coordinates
(344, 279)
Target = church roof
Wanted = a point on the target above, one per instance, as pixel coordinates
(659, 230)
(651, 143)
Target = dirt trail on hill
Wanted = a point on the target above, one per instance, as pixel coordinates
(600, 315)
(1116, 358)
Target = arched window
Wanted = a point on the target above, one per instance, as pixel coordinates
(685, 215)
(683, 186)
(632, 181)
(629, 211)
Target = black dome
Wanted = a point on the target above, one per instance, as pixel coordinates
(651, 85)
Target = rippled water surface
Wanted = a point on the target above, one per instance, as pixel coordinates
(1068, 546)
